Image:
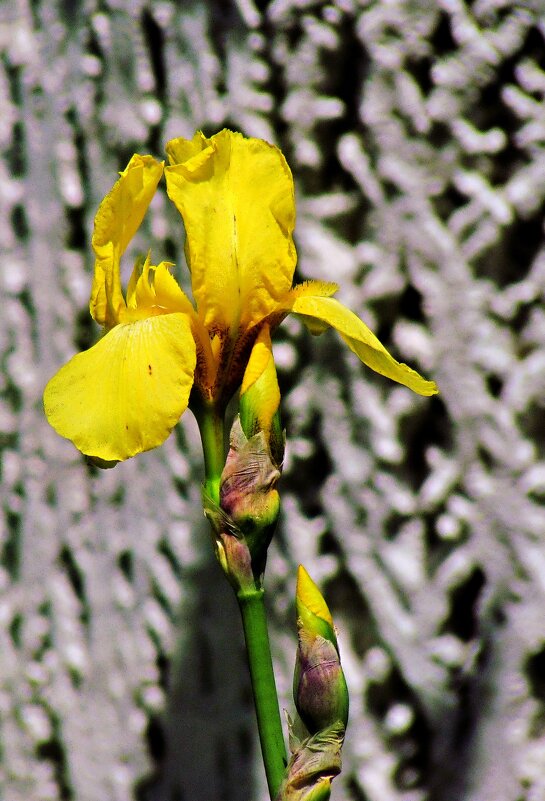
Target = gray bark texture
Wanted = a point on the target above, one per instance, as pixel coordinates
(416, 134)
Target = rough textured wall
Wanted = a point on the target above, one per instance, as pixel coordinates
(416, 133)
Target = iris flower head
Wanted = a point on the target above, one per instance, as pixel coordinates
(161, 351)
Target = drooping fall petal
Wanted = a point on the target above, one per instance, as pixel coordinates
(320, 312)
(118, 218)
(236, 198)
(126, 393)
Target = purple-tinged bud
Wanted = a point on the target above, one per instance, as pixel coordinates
(231, 548)
(248, 494)
(319, 686)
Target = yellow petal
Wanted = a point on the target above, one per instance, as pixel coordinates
(117, 220)
(316, 289)
(126, 393)
(154, 290)
(144, 296)
(259, 393)
(309, 596)
(236, 198)
(260, 359)
(138, 269)
(194, 152)
(360, 339)
(168, 293)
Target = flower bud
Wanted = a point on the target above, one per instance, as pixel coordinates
(231, 548)
(319, 686)
(248, 492)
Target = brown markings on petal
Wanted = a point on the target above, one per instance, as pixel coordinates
(217, 331)
(206, 375)
(231, 359)
(232, 377)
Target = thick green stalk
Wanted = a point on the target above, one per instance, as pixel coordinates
(252, 609)
(211, 425)
(254, 621)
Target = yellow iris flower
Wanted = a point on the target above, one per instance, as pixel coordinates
(236, 197)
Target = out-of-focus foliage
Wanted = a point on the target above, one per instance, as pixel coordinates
(416, 134)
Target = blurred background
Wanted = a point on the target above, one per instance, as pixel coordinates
(416, 134)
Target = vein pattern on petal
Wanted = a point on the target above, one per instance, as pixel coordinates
(236, 198)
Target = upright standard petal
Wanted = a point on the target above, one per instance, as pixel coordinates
(116, 222)
(236, 198)
(127, 392)
(318, 312)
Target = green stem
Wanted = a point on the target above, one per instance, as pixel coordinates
(211, 426)
(254, 621)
